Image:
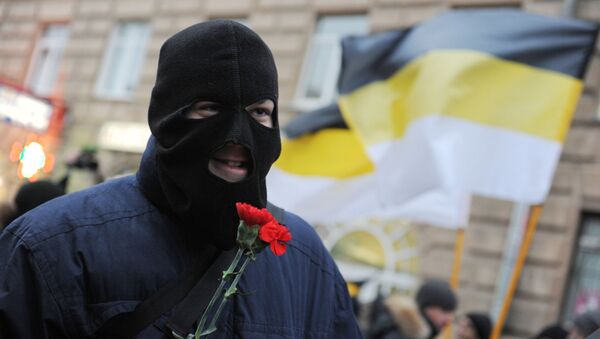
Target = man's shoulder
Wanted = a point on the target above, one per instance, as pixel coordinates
(302, 231)
(307, 242)
(97, 205)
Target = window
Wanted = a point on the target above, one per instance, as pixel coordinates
(123, 60)
(46, 57)
(584, 290)
(317, 86)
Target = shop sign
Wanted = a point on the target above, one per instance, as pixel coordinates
(24, 109)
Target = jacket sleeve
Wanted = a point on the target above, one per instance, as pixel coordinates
(27, 308)
(345, 321)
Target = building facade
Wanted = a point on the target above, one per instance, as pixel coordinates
(101, 55)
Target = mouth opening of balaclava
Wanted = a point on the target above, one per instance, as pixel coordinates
(243, 160)
(224, 62)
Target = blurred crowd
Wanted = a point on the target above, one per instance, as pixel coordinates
(434, 308)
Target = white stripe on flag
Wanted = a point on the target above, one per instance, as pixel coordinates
(326, 200)
(440, 152)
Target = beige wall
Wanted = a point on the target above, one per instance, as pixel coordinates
(287, 25)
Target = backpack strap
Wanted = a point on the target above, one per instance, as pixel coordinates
(188, 311)
(129, 324)
(277, 212)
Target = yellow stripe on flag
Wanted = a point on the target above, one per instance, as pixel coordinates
(467, 85)
(335, 153)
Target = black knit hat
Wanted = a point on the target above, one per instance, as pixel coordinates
(33, 194)
(587, 322)
(554, 331)
(481, 323)
(436, 292)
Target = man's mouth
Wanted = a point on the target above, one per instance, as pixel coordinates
(232, 163)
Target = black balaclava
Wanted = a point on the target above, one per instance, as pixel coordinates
(224, 62)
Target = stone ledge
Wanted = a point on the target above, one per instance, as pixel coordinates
(95, 8)
(581, 144)
(50, 11)
(24, 10)
(384, 18)
(276, 4)
(228, 8)
(551, 8)
(179, 6)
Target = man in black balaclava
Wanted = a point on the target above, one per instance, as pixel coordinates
(213, 113)
(140, 256)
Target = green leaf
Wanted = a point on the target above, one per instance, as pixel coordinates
(247, 235)
(208, 331)
(259, 246)
(230, 292)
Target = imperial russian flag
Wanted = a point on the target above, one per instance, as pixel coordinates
(478, 101)
(473, 101)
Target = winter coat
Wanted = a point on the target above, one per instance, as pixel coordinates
(399, 318)
(72, 264)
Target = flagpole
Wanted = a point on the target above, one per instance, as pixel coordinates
(516, 274)
(459, 246)
(458, 251)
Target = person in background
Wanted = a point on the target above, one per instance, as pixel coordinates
(401, 317)
(32, 194)
(6, 214)
(553, 331)
(474, 325)
(585, 324)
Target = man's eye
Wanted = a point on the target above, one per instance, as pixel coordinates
(202, 110)
(260, 112)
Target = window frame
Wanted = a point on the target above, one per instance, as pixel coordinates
(43, 75)
(584, 244)
(302, 101)
(123, 61)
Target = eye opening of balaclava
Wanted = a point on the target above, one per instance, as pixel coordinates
(226, 63)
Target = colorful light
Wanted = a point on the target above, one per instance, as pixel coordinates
(32, 159)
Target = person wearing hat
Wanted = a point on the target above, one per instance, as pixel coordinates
(552, 331)
(423, 317)
(474, 325)
(585, 324)
(32, 194)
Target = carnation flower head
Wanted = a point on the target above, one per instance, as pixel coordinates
(252, 215)
(276, 235)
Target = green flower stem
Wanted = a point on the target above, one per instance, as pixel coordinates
(226, 274)
(229, 293)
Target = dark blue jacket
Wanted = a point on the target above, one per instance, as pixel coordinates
(76, 261)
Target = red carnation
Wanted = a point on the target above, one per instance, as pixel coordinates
(276, 236)
(252, 215)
